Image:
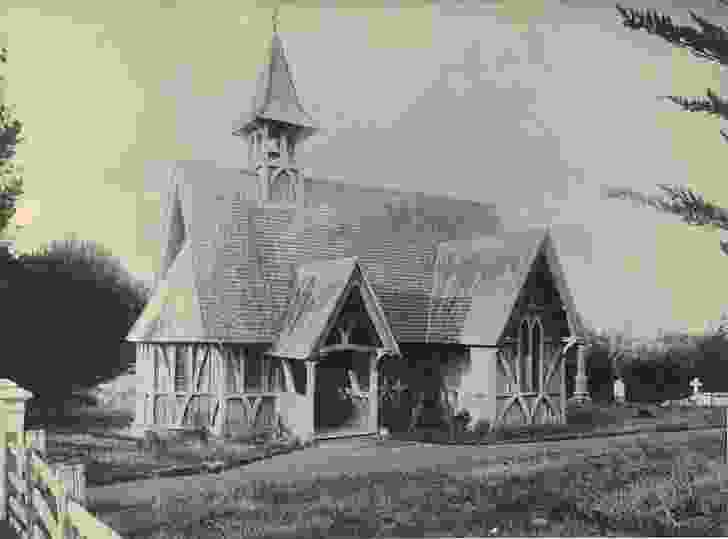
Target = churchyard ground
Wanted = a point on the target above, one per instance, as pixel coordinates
(637, 485)
(98, 437)
(556, 481)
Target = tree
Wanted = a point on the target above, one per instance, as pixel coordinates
(710, 365)
(11, 181)
(617, 346)
(73, 304)
(708, 41)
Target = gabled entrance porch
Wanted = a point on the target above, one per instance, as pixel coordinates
(336, 327)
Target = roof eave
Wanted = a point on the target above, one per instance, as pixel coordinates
(307, 126)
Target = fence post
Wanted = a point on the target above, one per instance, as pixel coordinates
(64, 526)
(73, 477)
(12, 423)
(36, 439)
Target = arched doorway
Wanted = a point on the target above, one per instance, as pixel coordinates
(341, 397)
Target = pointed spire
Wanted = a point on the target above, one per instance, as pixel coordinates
(275, 19)
(276, 97)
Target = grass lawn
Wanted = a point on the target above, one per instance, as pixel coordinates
(652, 488)
(93, 435)
(656, 489)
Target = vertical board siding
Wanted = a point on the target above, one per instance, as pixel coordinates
(236, 422)
(516, 414)
(232, 375)
(164, 410)
(253, 373)
(266, 416)
(232, 389)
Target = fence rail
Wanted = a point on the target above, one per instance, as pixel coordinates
(711, 399)
(40, 500)
(47, 500)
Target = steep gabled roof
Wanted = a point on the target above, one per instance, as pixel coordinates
(244, 256)
(320, 292)
(577, 324)
(275, 97)
(477, 282)
(173, 313)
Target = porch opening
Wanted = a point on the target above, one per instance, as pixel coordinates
(341, 396)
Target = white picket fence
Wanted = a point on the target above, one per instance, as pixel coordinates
(711, 399)
(38, 499)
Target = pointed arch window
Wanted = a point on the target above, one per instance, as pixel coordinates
(523, 354)
(530, 354)
(180, 369)
(536, 343)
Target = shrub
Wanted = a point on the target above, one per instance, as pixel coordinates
(644, 412)
(461, 420)
(482, 428)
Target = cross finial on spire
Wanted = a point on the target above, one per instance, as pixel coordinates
(275, 18)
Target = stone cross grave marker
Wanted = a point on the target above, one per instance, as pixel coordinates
(696, 384)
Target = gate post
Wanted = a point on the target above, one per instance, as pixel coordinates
(310, 396)
(12, 422)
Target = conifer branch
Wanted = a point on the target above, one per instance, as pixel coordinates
(709, 42)
(683, 202)
(715, 104)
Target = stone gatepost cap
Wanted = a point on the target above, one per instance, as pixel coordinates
(9, 390)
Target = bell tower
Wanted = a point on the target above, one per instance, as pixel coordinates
(274, 128)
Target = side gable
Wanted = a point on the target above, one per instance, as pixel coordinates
(173, 233)
(318, 299)
(477, 285)
(173, 313)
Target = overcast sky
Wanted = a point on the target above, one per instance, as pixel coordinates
(531, 105)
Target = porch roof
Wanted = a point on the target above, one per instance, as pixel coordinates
(319, 293)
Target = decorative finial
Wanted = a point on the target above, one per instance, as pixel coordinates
(275, 19)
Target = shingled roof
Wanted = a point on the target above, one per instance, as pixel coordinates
(321, 290)
(234, 262)
(174, 309)
(477, 282)
(243, 256)
(275, 98)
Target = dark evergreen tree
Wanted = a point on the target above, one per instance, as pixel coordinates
(73, 305)
(708, 41)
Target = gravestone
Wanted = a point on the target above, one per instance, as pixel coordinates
(619, 391)
(696, 384)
